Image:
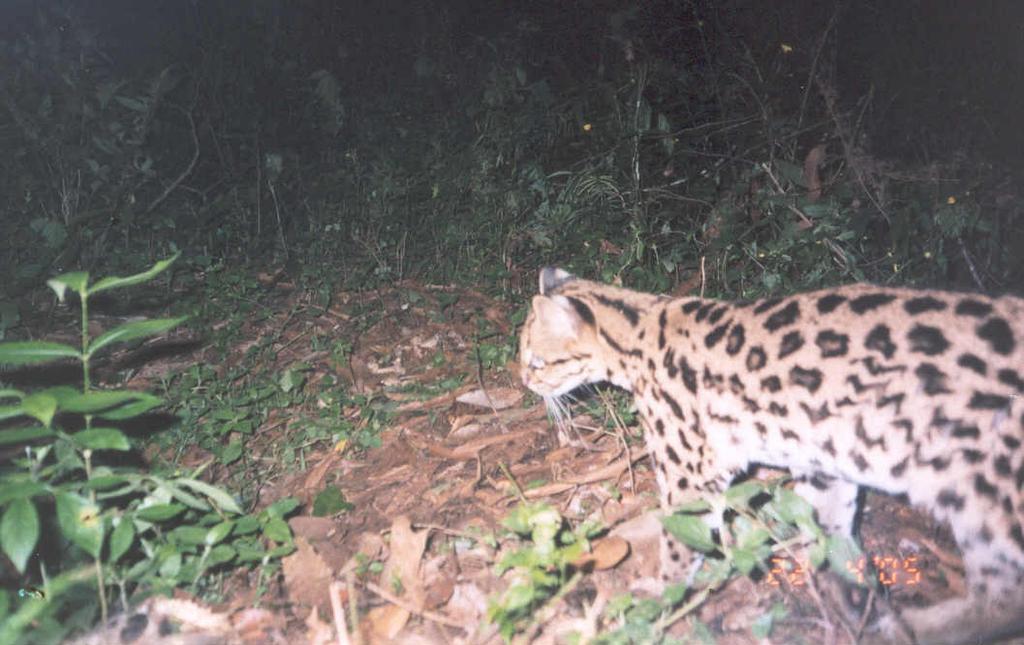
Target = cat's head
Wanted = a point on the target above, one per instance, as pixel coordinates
(558, 348)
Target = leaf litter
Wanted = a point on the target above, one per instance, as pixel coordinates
(412, 559)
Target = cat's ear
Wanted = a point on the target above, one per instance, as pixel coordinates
(551, 278)
(562, 316)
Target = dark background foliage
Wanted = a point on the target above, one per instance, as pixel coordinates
(467, 141)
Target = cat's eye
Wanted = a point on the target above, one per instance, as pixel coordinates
(536, 363)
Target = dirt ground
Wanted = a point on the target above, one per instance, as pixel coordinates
(445, 475)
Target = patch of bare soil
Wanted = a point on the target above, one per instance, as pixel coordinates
(443, 477)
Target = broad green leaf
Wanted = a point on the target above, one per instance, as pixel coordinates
(62, 393)
(8, 393)
(122, 538)
(277, 530)
(41, 407)
(250, 553)
(170, 567)
(281, 551)
(817, 553)
(292, 379)
(128, 488)
(80, 522)
(19, 490)
(231, 452)
(113, 405)
(114, 282)
(159, 512)
(330, 501)
(102, 439)
(217, 533)
(220, 554)
(35, 351)
(742, 493)
(105, 482)
(674, 594)
(132, 330)
(282, 507)
(247, 524)
(793, 508)
(24, 435)
(95, 401)
(190, 535)
(10, 411)
(19, 532)
(744, 560)
(715, 571)
(750, 535)
(227, 413)
(185, 497)
(844, 556)
(690, 530)
(222, 499)
(693, 506)
(76, 281)
(143, 403)
(518, 597)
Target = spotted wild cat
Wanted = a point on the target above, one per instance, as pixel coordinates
(904, 391)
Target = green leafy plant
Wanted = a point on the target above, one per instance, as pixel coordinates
(541, 568)
(779, 522)
(770, 524)
(121, 528)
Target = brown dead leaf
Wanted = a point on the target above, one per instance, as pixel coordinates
(498, 397)
(438, 591)
(406, 553)
(306, 575)
(316, 475)
(497, 315)
(438, 401)
(317, 631)
(606, 553)
(610, 248)
(471, 449)
(488, 497)
(252, 625)
(438, 579)
(468, 604)
(610, 471)
(558, 455)
(383, 624)
(314, 529)
(643, 534)
(812, 178)
(687, 286)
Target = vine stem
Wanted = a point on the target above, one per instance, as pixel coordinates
(86, 381)
(101, 588)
